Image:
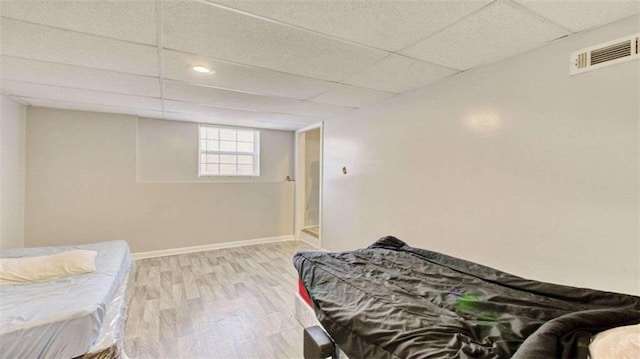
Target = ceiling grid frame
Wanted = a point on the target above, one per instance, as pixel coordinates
(79, 32)
(75, 88)
(332, 86)
(159, 29)
(389, 53)
(24, 98)
(337, 38)
(159, 22)
(80, 66)
(488, 11)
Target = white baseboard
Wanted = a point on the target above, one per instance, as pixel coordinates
(209, 247)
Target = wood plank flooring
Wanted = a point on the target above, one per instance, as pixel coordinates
(228, 303)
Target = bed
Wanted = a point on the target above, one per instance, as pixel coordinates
(74, 316)
(394, 301)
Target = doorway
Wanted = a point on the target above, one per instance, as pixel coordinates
(308, 217)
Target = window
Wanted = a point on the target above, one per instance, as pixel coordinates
(228, 152)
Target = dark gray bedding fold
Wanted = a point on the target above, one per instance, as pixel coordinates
(391, 300)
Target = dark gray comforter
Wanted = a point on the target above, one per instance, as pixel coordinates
(394, 301)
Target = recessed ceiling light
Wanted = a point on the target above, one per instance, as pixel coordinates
(203, 70)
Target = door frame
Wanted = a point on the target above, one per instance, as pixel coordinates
(299, 205)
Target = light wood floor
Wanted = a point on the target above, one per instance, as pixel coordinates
(228, 303)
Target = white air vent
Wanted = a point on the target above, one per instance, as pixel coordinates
(606, 54)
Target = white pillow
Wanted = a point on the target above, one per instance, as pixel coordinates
(618, 343)
(27, 270)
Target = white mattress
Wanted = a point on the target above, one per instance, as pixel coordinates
(61, 318)
(619, 343)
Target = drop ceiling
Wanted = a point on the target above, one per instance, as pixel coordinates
(278, 64)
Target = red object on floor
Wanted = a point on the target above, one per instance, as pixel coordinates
(303, 293)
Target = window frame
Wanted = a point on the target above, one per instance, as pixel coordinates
(255, 154)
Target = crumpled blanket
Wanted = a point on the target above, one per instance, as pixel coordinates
(394, 301)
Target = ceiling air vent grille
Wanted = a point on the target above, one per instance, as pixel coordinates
(612, 52)
(606, 54)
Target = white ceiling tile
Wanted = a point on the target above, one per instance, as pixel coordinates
(127, 20)
(178, 66)
(44, 43)
(49, 73)
(316, 109)
(207, 30)
(190, 117)
(498, 31)
(389, 25)
(351, 96)
(66, 105)
(23, 89)
(205, 116)
(219, 115)
(398, 74)
(225, 98)
(578, 15)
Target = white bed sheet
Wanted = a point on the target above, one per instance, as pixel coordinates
(61, 318)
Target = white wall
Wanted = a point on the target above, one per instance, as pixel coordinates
(167, 153)
(82, 187)
(12, 144)
(550, 192)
